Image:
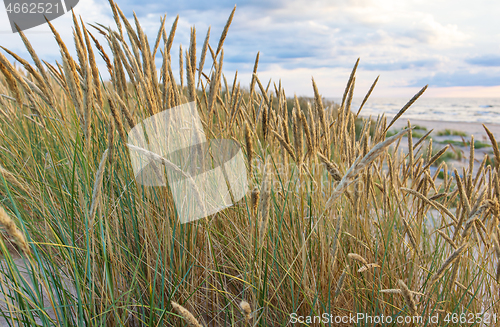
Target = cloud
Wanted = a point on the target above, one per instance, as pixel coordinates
(406, 41)
(460, 78)
(403, 64)
(485, 60)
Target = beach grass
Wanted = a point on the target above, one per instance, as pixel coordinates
(448, 132)
(337, 218)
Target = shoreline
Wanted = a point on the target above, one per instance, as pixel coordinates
(470, 128)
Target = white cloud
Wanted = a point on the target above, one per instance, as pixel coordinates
(405, 41)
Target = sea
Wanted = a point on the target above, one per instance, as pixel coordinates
(481, 110)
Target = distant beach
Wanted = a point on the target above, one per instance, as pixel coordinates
(470, 128)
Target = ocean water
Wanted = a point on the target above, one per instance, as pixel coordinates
(483, 110)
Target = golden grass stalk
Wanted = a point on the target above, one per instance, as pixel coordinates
(103, 54)
(436, 157)
(408, 297)
(265, 200)
(215, 83)
(94, 69)
(65, 52)
(432, 203)
(367, 96)
(360, 164)
(285, 131)
(247, 310)
(158, 38)
(357, 257)
(192, 52)
(340, 283)
(181, 67)
(297, 135)
(11, 178)
(405, 107)
(254, 201)
(349, 84)
(447, 239)
(118, 120)
(285, 145)
(249, 147)
(496, 246)
(452, 258)
(319, 109)
(224, 31)
(203, 55)
(368, 267)
(494, 144)
(10, 227)
(11, 82)
(307, 131)
(116, 17)
(411, 236)
(186, 315)
(191, 90)
(330, 167)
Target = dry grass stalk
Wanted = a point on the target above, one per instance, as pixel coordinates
(335, 242)
(191, 90)
(247, 310)
(94, 69)
(452, 258)
(349, 84)
(340, 283)
(432, 203)
(367, 96)
(158, 38)
(330, 167)
(360, 164)
(181, 67)
(405, 107)
(118, 120)
(249, 147)
(357, 257)
(447, 238)
(285, 145)
(435, 157)
(11, 178)
(65, 52)
(11, 82)
(254, 201)
(297, 135)
(215, 83)
(11, 229)
(420, 140)
(319, 109)
(224, 32)
(186, 315)
(408, 296)
(265, 200)
(411, 236)
(307, 131)
(203, 55)
(494, 144)
(254, 75)
(496, 245)
(368, 267)
(116, 17)
(102, 53)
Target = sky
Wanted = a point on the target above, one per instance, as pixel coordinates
(454, 46)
